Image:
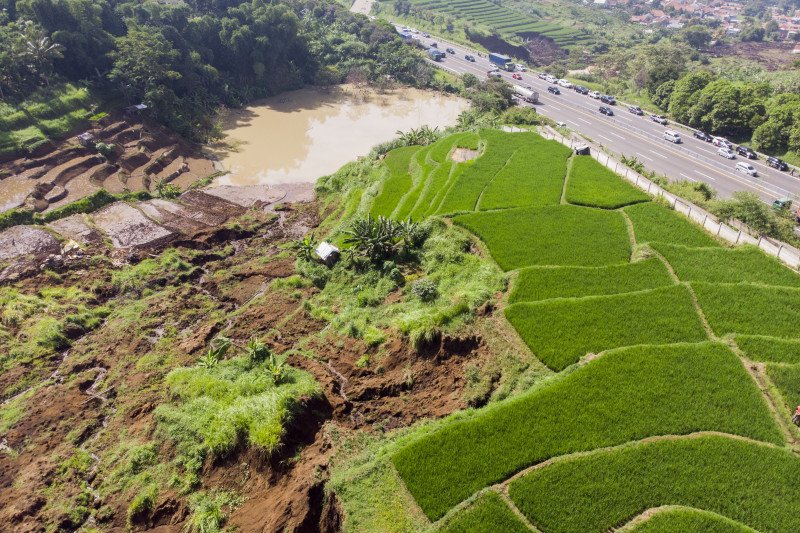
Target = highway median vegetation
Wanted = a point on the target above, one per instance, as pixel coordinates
(593, 185)
(650, 390)
(559, 332)
(752, 484)
(542, 283)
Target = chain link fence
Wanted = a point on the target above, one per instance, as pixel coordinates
(740, 234)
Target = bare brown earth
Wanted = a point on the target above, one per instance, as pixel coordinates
(772, 55)
(101, 391)
(145, 153)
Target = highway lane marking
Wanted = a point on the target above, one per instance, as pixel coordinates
(707, 176)
(582, 120)
(659, 154)
(606, 138)
(643, 156)
(688, 177)
(617, 135)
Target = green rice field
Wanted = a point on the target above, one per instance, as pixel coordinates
(594, 185)
(655, 223)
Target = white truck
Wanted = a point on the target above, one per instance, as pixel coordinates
(530, 96)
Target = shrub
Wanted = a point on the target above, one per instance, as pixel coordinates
(207, 515)
(15, 217)
(742, 481)
(650, 390)
(425, 289)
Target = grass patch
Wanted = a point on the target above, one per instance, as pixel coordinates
(553, 235)
(682, 519)
(656, 223)
(750, 309)
(627, 394)
(559, 332)
(533, 176)
(592, 184)
(787, 379)
(769, 349)
(746, 264)
(542, 283)
(488, 514)
(751, 484)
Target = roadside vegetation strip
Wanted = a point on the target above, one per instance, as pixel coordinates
(727, 265)
(592, 184)
(647, 390)
(559, 332)
(750, 309)
(488, 514)
(397, 183)
(542, 283)
(769, 349)
(464, 194)
(787, 379)
(533, 177)
(751, 484)
(552, 235)
(655, 223)
(685, 519)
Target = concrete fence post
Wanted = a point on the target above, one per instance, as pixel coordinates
(649, 185)
(704, 220)
(759, 240)
(690, 211)
(738, 237)
(778, 255)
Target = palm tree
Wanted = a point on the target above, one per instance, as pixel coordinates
(40, 51)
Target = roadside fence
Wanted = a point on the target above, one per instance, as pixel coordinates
(734, 233)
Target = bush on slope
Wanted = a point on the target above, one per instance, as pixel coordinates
(541, 283)
(559, 332)
(752, 484)
(627, 394)
(552, 235)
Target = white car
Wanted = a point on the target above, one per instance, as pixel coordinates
(565, 83)
(520, 68)
(726, 153)
(494, 74)
(747, 168)
(595, 94)
(722, 142)
(550, 78)
(672, 136)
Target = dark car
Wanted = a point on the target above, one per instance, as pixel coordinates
(450, 51)
(553, 89)
(469, 58)
(703, 136)
(434, 45)
(636, 110)
(581, 89)
(606, 111)
(608, 99)
(746, 152)
(774, 162)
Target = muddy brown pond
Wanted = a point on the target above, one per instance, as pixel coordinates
(302, 135)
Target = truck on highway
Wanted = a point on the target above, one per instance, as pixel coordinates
(503, 62)
(532, 97)
(435, 54)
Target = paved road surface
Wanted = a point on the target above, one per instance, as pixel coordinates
(629, 134)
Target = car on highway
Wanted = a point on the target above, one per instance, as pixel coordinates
(727, 153)
(550, 79)
(606, 111)
(703, 136)
(774, 162)
(469, 58)
(722, 142)
(608, 99)
(565, 84)
(426, 35)
(659, 119)
(542, 75)
(450, 51)
(434, 45)
(636, 110)
(553, 89)
(580, 89)
(673, 136)
(595, 94)
(746, 152)
(516, 76)
(746, 168)
(520, 68)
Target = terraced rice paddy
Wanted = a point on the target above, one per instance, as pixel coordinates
(505, 21)
(649, 325)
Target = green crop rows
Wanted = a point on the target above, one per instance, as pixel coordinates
(594, 185)
(752, 484)
(595, 324)
(646, 390)
(642, 316)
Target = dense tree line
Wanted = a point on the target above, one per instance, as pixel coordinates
(185, 59)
